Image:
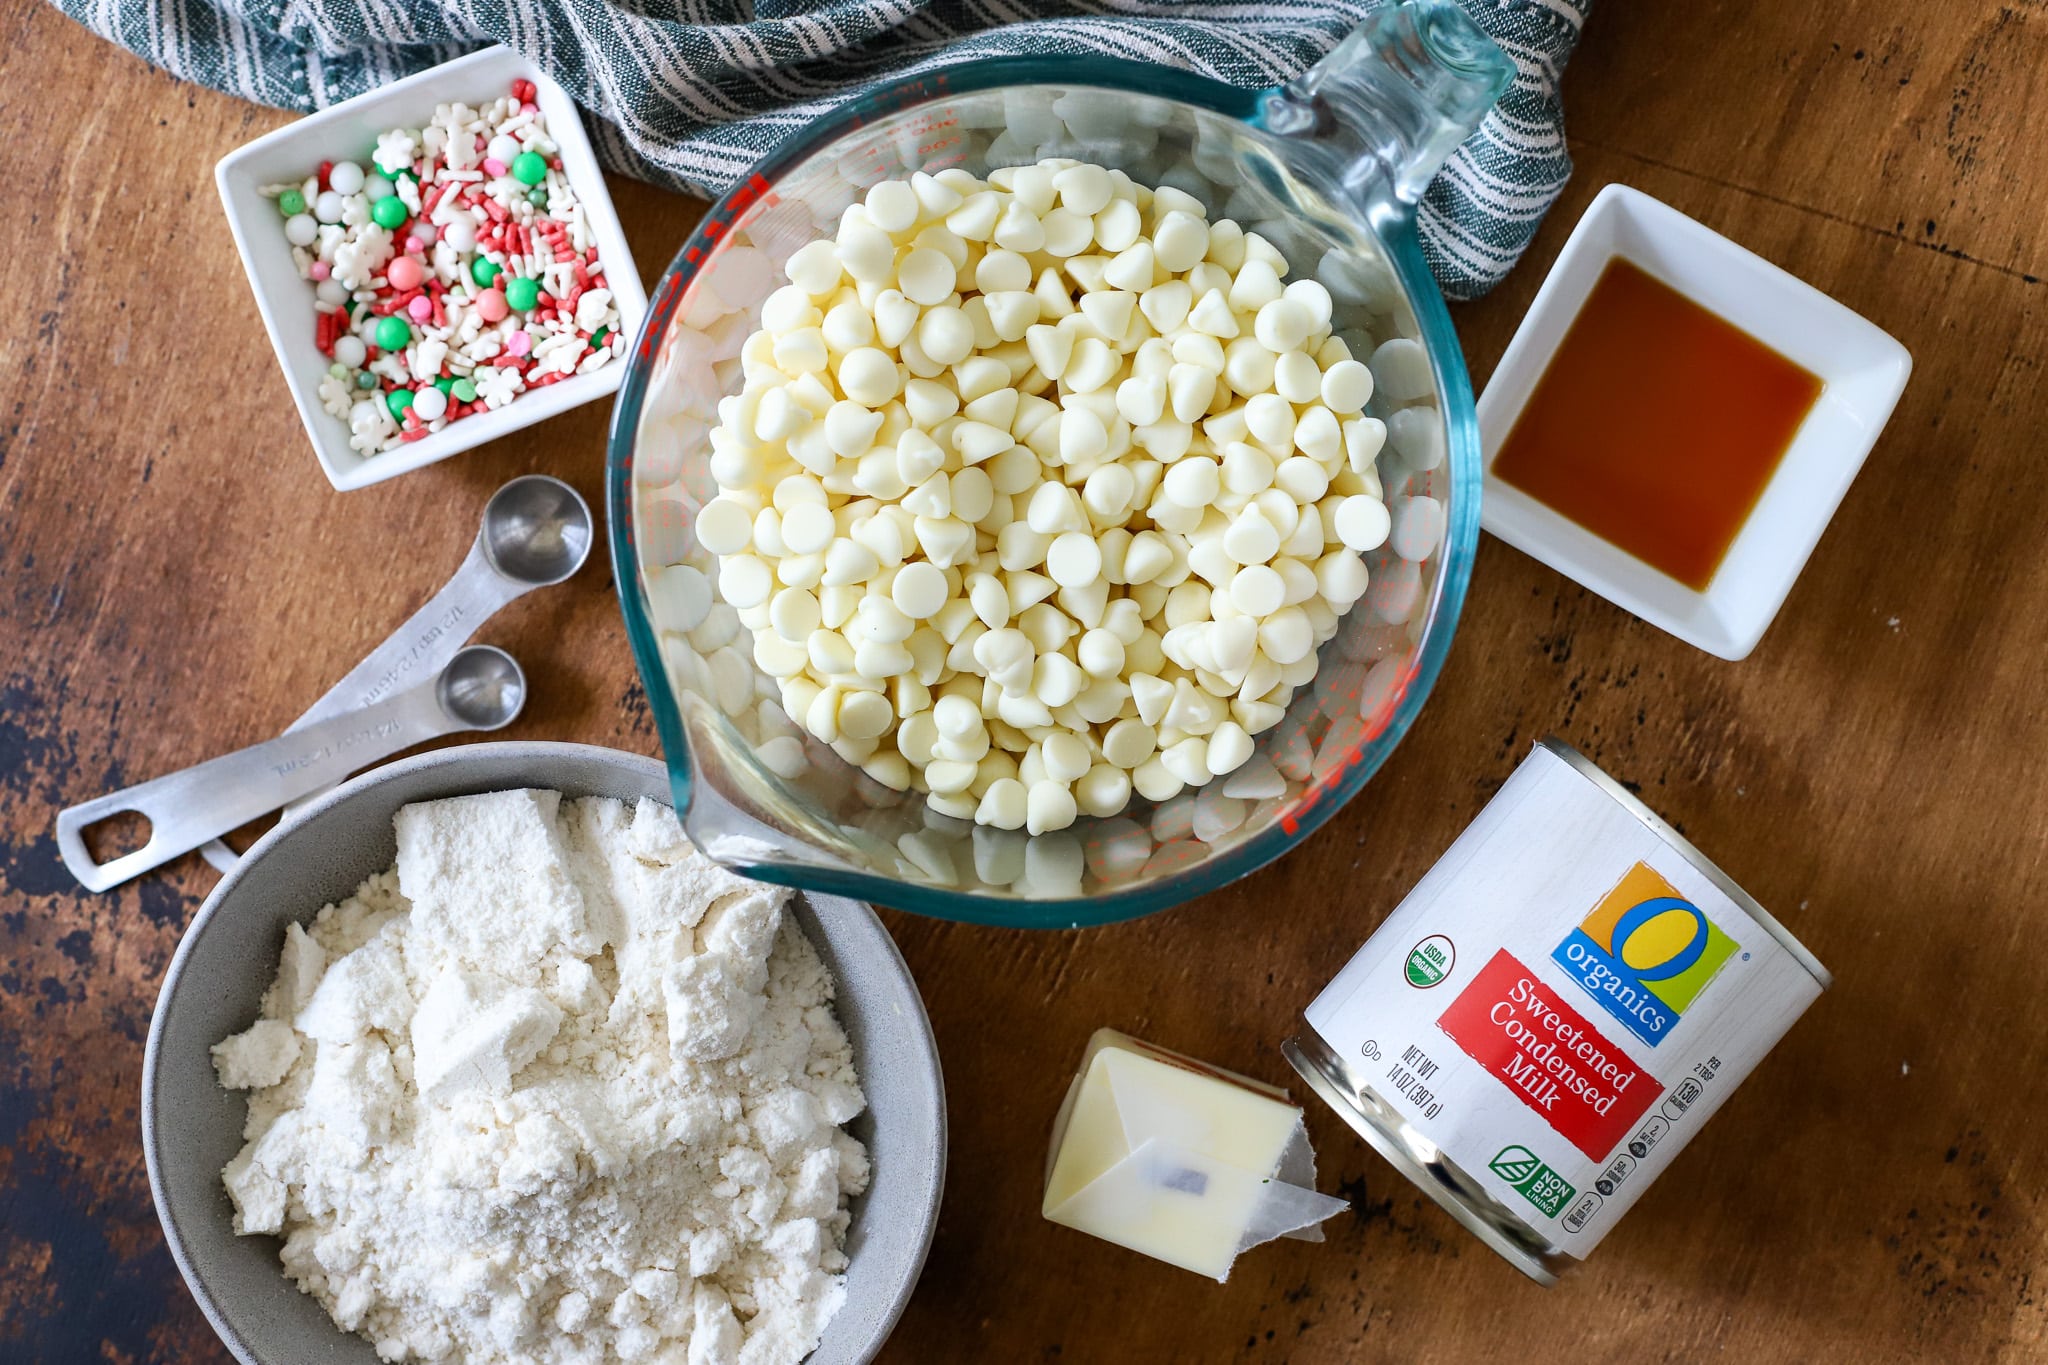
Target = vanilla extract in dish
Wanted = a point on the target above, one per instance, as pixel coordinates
(1657, 424)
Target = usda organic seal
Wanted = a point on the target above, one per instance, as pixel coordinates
(1430, 961)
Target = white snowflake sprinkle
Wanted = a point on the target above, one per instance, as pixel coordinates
(337, 396)
(497, 385)
(395, 149)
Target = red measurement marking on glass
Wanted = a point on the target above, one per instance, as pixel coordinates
(756, 193)
(658, 315)
(1375, 727)
(664, 515)
(756, 190)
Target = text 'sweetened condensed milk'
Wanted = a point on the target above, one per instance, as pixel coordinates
(1553, 1012)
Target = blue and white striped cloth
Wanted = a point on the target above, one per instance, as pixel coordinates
(690, 93)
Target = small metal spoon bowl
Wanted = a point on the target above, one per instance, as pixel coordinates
(480, 688)
(537, 530)
(483, 687)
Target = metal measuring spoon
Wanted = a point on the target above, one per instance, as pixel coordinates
(536, 532)
(482, 688)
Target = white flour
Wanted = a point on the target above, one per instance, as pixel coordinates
(554, 1089)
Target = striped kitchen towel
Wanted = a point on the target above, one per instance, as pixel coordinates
(689, 93)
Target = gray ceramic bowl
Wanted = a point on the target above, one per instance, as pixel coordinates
(191, 1127)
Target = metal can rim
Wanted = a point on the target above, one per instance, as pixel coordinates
(1706, 866)
(1530, 1252)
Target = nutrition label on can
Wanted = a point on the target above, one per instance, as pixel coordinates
(1562, 1002)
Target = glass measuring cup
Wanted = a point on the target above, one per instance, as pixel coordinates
(1329, 168)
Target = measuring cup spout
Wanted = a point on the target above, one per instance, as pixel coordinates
(1395, 98)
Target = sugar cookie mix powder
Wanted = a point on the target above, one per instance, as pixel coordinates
(1043, 490)
(451, 274)
(553, 1089)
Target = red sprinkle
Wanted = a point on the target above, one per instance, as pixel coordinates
(325, 167)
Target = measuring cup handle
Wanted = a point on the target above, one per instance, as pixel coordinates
(187, 808)
(1395, 98)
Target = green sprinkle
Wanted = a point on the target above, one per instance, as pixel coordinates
(522, 294)
(389, 213)
(398, 400)
(529, 168)
(393, 333)
(444, 383)
(366, 380)
(291, 202)
(483, 271)
(464, 391)
(537, 198)
(337, 370)
(597, 338)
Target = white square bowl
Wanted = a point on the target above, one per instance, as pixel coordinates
(285, 301)
(1862, 370)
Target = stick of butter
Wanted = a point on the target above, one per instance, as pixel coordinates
(1180, 1160)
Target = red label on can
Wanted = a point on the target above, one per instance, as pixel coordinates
(1547, 1053)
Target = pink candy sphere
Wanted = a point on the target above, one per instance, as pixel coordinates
(404, 273)
(491, 306)
(421, 308)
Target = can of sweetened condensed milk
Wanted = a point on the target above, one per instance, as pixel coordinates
(1553, 1012)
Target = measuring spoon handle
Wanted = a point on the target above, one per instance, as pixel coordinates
(189, 807)
(423, 645)
(419, 648)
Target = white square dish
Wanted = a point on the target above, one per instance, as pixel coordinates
(1862, 369)
(285, 301)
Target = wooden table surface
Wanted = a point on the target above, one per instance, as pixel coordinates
(176, 579)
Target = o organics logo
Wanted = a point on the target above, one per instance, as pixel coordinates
(1645, 953)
